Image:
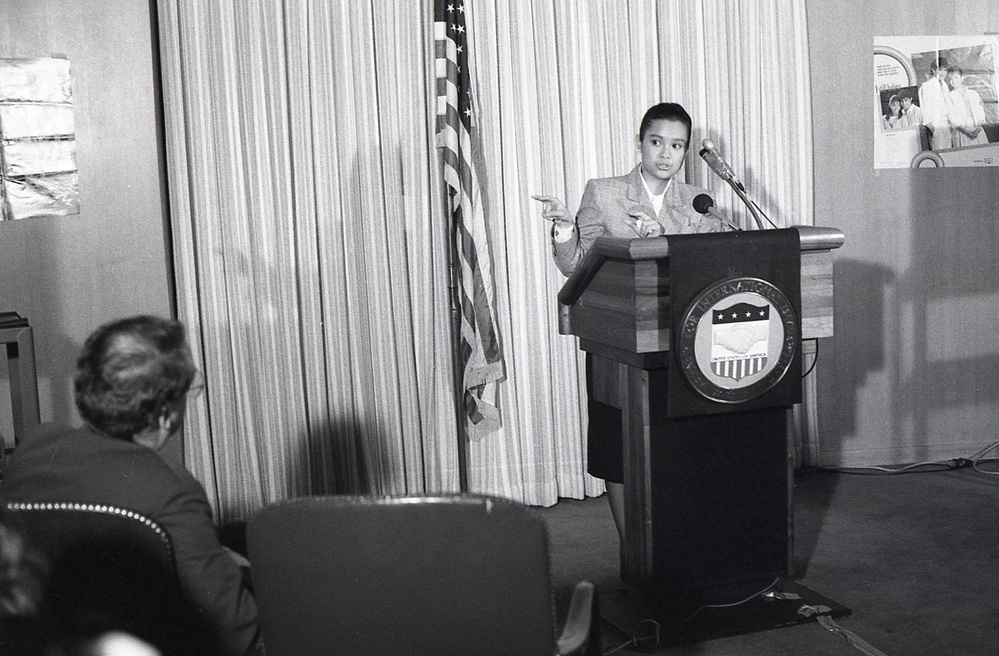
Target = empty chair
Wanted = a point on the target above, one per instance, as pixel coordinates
(453, 574)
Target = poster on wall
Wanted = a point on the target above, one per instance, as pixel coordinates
(38, 174)
(935, 101)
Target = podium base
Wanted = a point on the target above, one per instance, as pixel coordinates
(653, 625)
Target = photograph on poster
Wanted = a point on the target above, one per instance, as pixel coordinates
(936, 101)
(38, 175)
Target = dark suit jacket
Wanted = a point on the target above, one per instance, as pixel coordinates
(603, 211)
(57, 463)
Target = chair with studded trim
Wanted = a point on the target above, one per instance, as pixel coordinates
(109, 568)
(55, 528)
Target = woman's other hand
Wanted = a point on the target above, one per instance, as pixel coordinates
(645, 225)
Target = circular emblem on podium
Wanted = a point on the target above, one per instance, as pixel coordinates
(737, 339)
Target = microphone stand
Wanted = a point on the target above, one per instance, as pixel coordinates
(741, 193)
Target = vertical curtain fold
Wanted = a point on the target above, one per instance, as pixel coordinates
(310, 269)
(310, 243)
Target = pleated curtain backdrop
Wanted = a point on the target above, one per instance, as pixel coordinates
(308, 227)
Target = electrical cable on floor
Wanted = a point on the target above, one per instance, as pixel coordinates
(646, 642)
(651, 641)
(829, 623)
(729, 605)
(936, 465)
(975, 459)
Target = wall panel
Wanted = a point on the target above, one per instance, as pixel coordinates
(912, 373)
(69, 274)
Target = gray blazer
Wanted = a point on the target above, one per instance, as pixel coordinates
(603, 211)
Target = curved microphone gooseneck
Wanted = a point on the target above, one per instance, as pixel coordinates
(725, 172)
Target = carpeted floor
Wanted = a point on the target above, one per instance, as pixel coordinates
(914, 556)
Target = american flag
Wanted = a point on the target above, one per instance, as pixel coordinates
(480, 356)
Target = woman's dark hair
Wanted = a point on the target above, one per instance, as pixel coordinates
(128, 373)
(665, 111)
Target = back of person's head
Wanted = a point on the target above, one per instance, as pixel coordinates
(129, 372)
(667, 111)
(96, 601)
(22, 570)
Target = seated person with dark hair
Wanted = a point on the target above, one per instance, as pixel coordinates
(22, 573)
(131, 388)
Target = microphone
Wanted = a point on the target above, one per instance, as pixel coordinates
(704, 204)
(718, 164)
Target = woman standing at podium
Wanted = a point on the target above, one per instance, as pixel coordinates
(647, 202)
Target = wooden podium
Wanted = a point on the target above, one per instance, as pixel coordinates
(707, 464)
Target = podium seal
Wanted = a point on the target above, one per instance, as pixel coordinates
(737, 339)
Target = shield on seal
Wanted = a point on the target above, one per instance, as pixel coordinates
(740, 335)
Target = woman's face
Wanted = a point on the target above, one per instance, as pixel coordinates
(663, 148)
(894, 106)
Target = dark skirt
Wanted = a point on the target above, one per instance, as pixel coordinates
(605, 436)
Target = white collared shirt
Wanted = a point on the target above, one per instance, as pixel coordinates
(657, 199)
